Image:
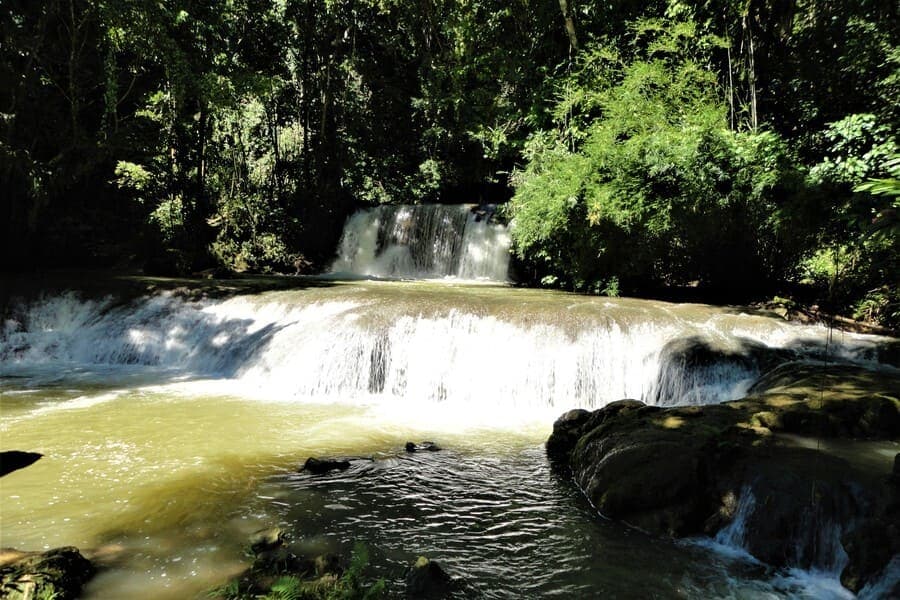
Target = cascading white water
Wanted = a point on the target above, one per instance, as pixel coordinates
(827, 554)
(366, 344)
(424, 242)
(820, 580)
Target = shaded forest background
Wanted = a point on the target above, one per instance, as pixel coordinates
(746, 147)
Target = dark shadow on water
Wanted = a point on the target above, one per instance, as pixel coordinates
(128, 341)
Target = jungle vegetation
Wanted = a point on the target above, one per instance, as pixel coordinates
(740, 146)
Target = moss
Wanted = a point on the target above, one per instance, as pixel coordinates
(58, 574)
(278, 574)
(767, 419)
(672, 471)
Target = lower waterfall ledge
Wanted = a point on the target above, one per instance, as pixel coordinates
(688, 471)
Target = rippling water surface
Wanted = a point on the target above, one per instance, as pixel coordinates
(171, 485)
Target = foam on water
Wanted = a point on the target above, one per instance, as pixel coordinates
(473, 362)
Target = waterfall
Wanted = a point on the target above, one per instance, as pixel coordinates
(424, 242)
(734, 534)
(410, 344)
(818, 547)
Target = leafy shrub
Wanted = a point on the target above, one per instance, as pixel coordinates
(659, 190)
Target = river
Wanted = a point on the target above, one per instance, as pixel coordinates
(174, 427)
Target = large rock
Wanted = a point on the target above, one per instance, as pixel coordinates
(803, 503)
(13, 460)
(681, 471)
(427, 579)
(278, 570)
(655, 477)
(840, 401)
(59, 574)
(687, 362)
(875, 542)
(318, 466)
(570, 427)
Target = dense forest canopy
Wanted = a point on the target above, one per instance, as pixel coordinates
(741, 145)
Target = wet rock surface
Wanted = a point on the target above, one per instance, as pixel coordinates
(678, 471)
(59, 574)
(13, 460)
(423, 446)
(427, 579)
(318, 466)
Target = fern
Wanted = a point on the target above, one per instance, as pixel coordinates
(229, 591)
(286, 588)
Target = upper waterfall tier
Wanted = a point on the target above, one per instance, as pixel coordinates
(424, 242)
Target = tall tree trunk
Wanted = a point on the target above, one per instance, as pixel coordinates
(74, 106)
(570, 24)
(730, 89)
(305, 96)
(202, 123)
(751, 72)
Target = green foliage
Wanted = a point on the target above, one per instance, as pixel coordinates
(228, 591)
(858, 147)
(723, 142)
(288, 588)
(168, 216)
(857, 181)
(352, 585)
(660, 185)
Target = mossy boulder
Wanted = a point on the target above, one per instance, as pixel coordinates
(58, 574)
(280, 571)
(427, 579)
(837, 401)
(700, 358)
(679, 471)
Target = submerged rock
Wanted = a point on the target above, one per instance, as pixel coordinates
(680, 471)
(266, 539)
(318, 466)
(59, 574)
(279, 571)
(427, 446)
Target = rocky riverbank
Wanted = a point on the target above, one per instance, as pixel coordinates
(59, 574)
(685, 471)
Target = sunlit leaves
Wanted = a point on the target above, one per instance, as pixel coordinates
(657, 187)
